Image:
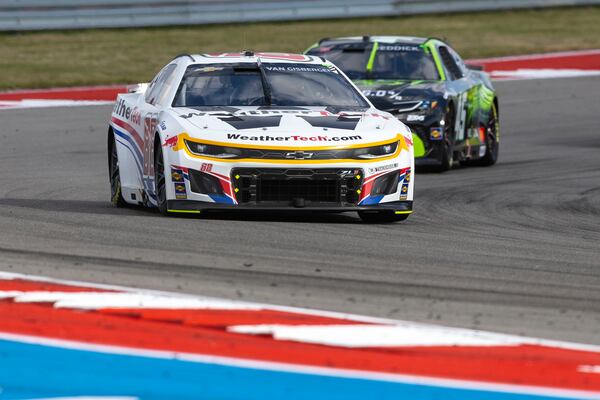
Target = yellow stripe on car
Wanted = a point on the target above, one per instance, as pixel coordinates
(403, 145)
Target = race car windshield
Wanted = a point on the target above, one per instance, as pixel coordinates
(382, 61)
(271, 84)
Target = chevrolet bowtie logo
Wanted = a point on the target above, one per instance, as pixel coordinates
(298, 155)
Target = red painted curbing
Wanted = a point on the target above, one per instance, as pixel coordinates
(88, 93)
(588, 60)
(204, 332)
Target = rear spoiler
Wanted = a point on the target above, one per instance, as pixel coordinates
(137, 88)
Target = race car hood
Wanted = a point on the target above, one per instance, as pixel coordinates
(290, 127)
(389, 95)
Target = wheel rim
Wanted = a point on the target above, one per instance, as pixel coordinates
(491, 135)
(160, 178)
(114, 171)
(448, 127)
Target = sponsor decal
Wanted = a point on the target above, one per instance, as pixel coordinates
(296, 68)
(413, 117)
(133, 115)
(388, 47)
(298, 155)
(392, 94)
(267, 112)
(209, 69)
(382, 168)
(171, 142)
(407, 177)
(436, 134)
(404, 191)
(177, 176)
(205, 167)
(180, 191)
(163, 126)
(293, 138)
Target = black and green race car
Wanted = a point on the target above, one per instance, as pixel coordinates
(451, 107)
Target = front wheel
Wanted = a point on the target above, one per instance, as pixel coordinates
(114, 174)
(447, 146)
(159, 180)
(381, 217)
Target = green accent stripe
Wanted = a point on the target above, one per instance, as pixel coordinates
(372, 57)
(403, 212)
(185, 211)
(418, 146)
(436, 58)
(311, 47)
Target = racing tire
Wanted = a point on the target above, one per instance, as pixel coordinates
(114, 174)
(492, 146)
(381, 217)
(160, 186)
(447, 157)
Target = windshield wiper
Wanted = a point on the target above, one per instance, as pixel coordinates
(265, 83)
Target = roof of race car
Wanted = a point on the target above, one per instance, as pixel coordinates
(381, 39)
(252, 57)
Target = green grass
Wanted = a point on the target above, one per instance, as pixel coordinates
(90, 57)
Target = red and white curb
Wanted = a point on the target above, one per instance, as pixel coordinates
(104, 318)
(542, 66)
(61, 97)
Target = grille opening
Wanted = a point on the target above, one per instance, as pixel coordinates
(203, 183)
(279, 186)
(386, 184)
(289, 189)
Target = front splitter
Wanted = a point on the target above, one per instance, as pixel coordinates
(193, 206)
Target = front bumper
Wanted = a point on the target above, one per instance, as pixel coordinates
(347, 185)
(195, 207)
(431, 150)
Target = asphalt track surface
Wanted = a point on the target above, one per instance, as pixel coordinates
(512, 248)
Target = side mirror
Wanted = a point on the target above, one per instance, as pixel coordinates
(475, 67)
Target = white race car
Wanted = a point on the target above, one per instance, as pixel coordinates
(261, 131)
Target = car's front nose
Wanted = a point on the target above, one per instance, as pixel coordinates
(291, 178)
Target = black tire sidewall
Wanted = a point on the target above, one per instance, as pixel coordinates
(161, 203)
(116, 194)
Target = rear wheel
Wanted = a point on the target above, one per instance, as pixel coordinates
(116, 195)
(381, 217)
(492, 146)
(159, 180)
